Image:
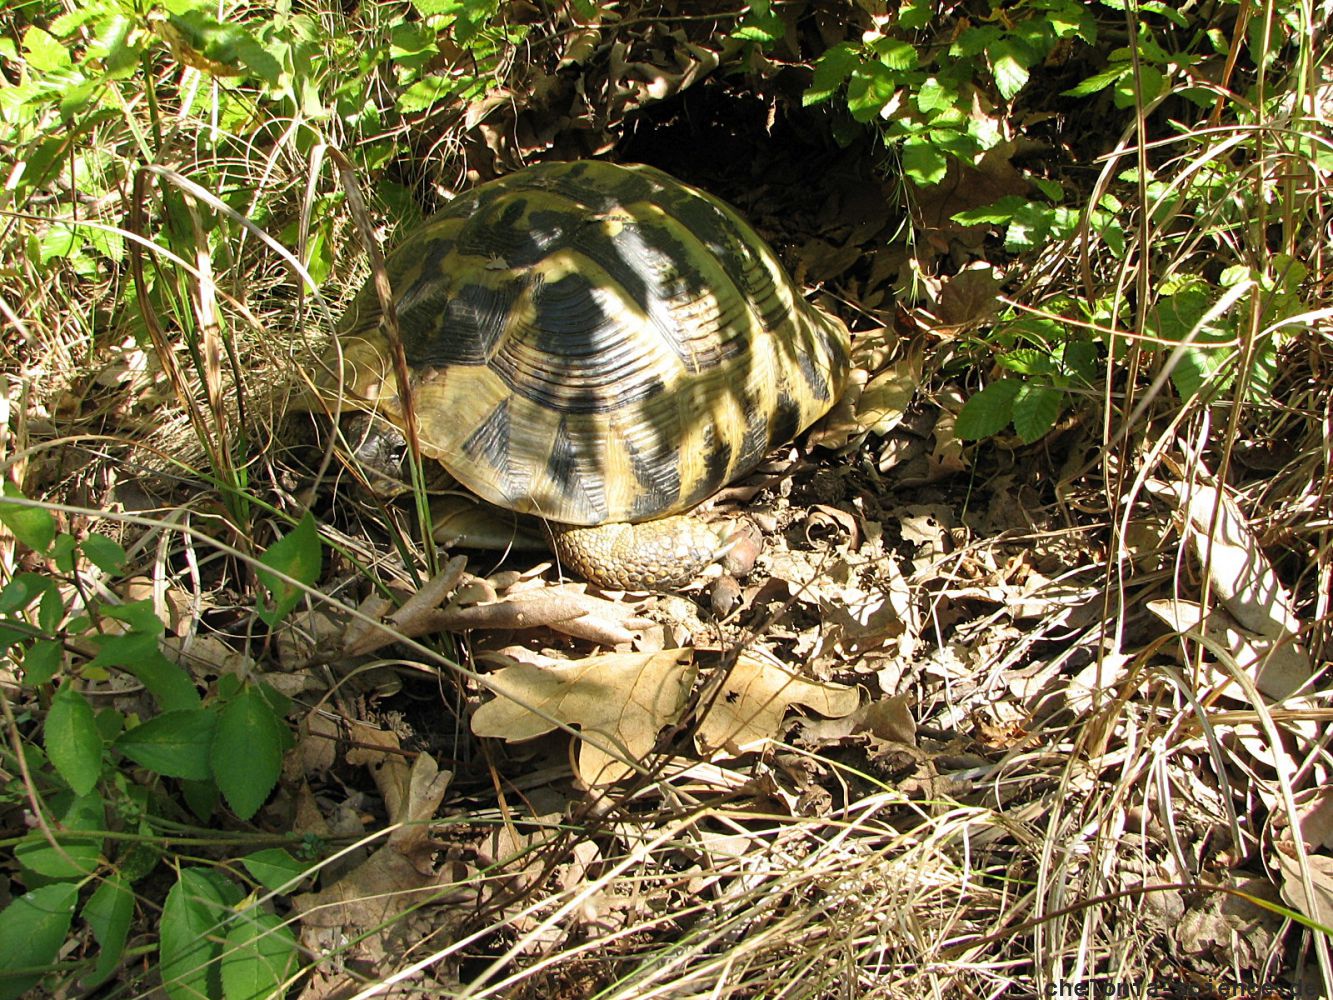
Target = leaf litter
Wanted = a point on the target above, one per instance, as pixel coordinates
(947, 683)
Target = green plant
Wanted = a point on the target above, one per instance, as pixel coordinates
(923, 93)
(98, 784)
(1051, 366)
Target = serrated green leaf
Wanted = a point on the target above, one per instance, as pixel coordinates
(41, 660)
(33, 526)
(831, 71)
(104, 553)
(1035, 408)
(175, 744)
(1079, 359)
(45, 53)
(246, 754)
(1007, 66)
(761, 24)
(974, 40)
(275, 869)
(1198, 372)
(138, 654)
(259, 956)
(924, 163)
(1028, 361)
(1053, 190)
(1178, 18)
(72, 740)
(896, 54)
(1098, 82)
(426, 93)
(140, 616)
(1129, 93)
(108, 913)
(79, 839)
(434, 8)
(32, 930)
(869, 90)
(932, 96)
(298, 555)
(190, 939)
(914, 15)
(71, 21)
(995, 214)
(989, 411)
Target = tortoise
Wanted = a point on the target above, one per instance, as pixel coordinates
(601, 346)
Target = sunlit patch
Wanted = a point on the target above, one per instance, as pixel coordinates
(596, 343)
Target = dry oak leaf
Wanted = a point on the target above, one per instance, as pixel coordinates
(396, 877)
(755, 697)
(619, 701)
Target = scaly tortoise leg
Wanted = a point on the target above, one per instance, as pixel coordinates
(663, 554)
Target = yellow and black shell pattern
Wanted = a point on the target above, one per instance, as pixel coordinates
(595, 343)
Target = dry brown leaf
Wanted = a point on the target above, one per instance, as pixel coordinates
(755, 697)
(619, 701)
(1240, 573)
(968, 297)
(1320, 909)
(397, 876)
(884, 400)
(378, 750)
(1228, 930)
(566, 608)
(1279, 667)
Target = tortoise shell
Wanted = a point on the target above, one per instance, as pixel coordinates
(595, 343)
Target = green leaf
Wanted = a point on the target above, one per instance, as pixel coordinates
(33, 526)
(175, 744)
(190, 939)
(45, 53)
(78, 848)
(275, 869)
(1028, 361)
(1151, 83)
(831, 72)
(72, 740)
(246, 755)
(761, 24)
(933, 96)
(1035, 408)
(23, 590)
(923, 163)
(138, 654)
(997, 213)
(41, 661)
(259, 956)
(108, 913)
(32, 931)
(50, 611)
(896, 54)
(915, 14)
(1007, 66)
(1197, 372)
(63, 552)
(1079, 359)
(1098, 82)
(140, 616)
(989, 411)
(426, 93)
(298, 555)
(869, 90)
(104, 553)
